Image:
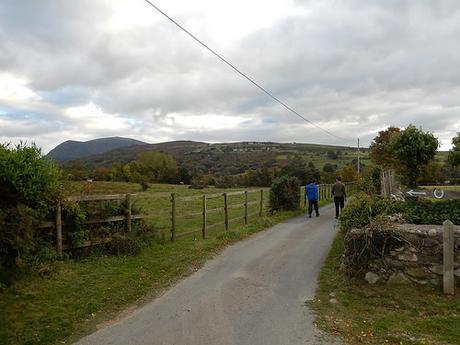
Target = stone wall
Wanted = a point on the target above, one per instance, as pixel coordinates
(419, 259)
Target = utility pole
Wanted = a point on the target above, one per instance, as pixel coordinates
(359, 167)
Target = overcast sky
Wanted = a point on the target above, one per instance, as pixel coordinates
(85, 69)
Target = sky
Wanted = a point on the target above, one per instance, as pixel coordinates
(85, 69)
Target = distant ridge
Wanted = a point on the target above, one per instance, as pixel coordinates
(178, 149)
(71, 149)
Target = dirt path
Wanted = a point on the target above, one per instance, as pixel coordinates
(253, 293)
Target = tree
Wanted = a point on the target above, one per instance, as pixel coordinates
(75, 171)
(454, 154)
(183, 175)
(413, 148)
(380, 151)
(333, 155)
(329, 168)
(101, 174)
(258, 177)
(349, 173)
(300, 169)
(157, 166)
(431, 173)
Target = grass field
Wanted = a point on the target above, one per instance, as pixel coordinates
(380, 314)
(445, 187)
(155, 203)
(83, 294)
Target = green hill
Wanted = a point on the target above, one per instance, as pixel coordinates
(231, 158)
(71, 149)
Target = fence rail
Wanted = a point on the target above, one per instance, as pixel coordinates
(205, 210)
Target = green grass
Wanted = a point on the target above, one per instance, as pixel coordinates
(155, 202)
(445, 187)
(82, 294)
(383, 314)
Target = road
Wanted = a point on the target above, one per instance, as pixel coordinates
(253, 293)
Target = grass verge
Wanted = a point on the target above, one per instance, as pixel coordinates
(380, 314)
(81, 295)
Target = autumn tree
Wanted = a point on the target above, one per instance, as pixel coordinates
(380, 151)
(349, 173)
(101, 174)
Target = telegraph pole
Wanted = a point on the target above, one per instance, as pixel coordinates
(359, 168)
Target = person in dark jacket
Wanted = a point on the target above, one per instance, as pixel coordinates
(311, 191)
(339, 193)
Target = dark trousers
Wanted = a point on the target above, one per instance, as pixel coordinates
(339, 204)
(311, 204)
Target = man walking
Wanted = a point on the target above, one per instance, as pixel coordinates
(311, 191)
(338, 191)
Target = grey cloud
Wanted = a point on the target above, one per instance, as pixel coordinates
(353, 67)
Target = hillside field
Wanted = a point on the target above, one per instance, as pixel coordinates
(155, 202)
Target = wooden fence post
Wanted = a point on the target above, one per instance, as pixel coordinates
(203, 229)
(173, 217)
(225, 211)
(128, 213)
(261, 210)
(245, 207)
(58, 229)
(448, 258)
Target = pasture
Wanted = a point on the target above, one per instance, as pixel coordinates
(155, 204)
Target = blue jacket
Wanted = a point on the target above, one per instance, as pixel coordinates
(311, 190)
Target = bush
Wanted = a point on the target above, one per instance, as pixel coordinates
(362, 209)
(285, 194)
(124, 245)
(370, 182)
(77, 232)
(29, 184)
(429, 212)
(28, 178)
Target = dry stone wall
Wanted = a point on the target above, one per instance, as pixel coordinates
(418, 260)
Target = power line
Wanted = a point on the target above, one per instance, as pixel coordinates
(244, 75)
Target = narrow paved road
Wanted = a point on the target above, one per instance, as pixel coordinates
(253, 293)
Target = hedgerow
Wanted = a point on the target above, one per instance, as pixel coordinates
(29, 187)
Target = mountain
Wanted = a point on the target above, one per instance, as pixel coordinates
(124, 155)
(71, 149)
(231, 158)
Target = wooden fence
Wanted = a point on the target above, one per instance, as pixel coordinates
(249, 203)
(224, 208)
(58, 225)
